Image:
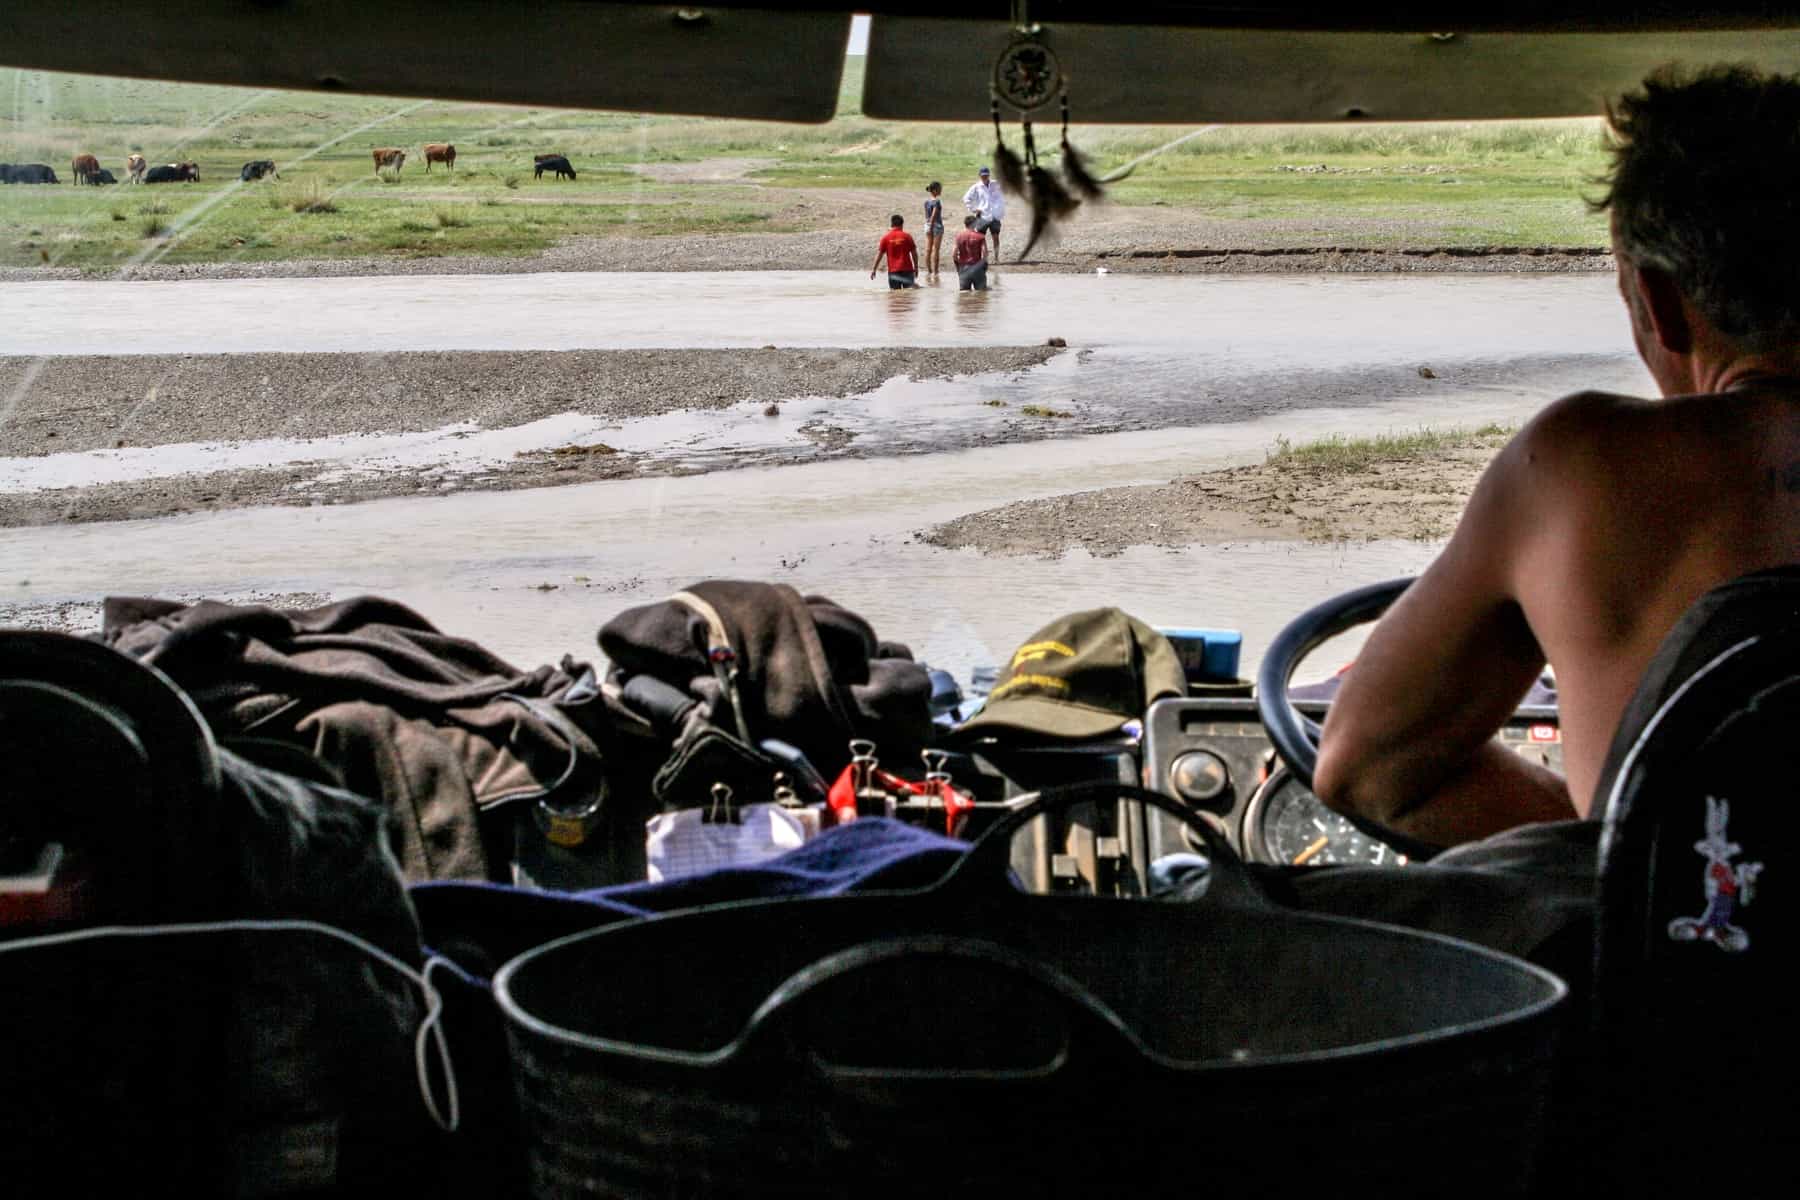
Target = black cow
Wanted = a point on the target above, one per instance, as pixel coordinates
(27, 173)
(102, 176)
(172, 173)
(554, 162)
(257, 169)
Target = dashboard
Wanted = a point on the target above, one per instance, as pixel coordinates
(1212, 756)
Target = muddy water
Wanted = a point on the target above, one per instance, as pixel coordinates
(1343, 321)
(534, 573)
(1146, 353)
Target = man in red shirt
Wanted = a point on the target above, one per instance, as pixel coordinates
(970, 258)
(902, 256)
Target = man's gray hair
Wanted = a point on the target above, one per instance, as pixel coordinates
(1705, 185)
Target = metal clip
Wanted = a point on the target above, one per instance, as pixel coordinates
(871, 799)
(723, 811)
(784, 794)
(941, 793)
(862, 758)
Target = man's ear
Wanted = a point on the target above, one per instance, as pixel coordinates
(1667, 309)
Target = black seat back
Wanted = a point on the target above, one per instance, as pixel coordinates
(1695, 921)
(106, 1044)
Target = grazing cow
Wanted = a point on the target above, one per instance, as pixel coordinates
(84, 166)
(554, 162)
(389, 158)
(135, 167)
(27, 173)
(258, 168)
(102, 176)
(186, 172)
(442, 152)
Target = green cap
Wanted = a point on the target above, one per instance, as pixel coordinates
(1081, 676)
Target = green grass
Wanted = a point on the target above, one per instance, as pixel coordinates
(1440, 184)
(1338, 455)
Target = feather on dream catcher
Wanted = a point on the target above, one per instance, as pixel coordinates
(1028, 77)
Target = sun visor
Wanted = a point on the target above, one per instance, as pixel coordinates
(727, 62)
(940, 70)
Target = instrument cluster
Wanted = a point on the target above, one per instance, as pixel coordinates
(1213, 757)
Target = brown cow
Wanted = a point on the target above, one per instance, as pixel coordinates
(135, 166)
(442, 152)
(85, 168)
(389, 158)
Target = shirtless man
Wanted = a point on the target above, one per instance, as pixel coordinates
(1606, 516)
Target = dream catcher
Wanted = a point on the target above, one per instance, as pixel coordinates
(1029, 78)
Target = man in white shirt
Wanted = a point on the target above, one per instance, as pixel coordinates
(984, 200)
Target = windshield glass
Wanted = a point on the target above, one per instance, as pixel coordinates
(523, 368)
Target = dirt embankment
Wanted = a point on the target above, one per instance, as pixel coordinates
(1415, 496)
(1120, 239)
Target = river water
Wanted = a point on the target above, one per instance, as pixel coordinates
(1271, 321)
(534, 573)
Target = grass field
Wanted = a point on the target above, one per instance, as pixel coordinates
(1338, 455)
(1458, 185)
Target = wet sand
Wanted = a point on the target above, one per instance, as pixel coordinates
(70, 405)
(1416, 498)
(109, 439)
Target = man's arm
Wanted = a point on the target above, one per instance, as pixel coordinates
(879, 255)
(1407, 743)
(972, 199)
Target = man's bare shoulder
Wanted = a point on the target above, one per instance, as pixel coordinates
(1581, 416)
(1573, 440)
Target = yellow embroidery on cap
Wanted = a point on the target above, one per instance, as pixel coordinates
(1048, 682)
(1031, 650)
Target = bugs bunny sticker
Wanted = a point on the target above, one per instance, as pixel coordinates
(1727, 887)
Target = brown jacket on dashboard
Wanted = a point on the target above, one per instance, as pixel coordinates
(436, 726)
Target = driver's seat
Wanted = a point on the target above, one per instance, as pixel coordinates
(1691, 1035)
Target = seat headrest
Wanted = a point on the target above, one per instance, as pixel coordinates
(107, 755)
(1760, 602)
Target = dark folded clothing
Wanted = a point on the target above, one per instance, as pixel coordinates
(435, 726)
(483, 925)
(802, 669)
(1528, 891)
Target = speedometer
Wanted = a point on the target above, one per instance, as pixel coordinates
(1286, 824)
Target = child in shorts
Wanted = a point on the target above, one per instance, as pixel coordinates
(934, 225)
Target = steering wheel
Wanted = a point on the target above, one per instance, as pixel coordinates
(1296, 736)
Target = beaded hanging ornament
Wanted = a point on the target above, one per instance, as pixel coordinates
(1028, 77)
